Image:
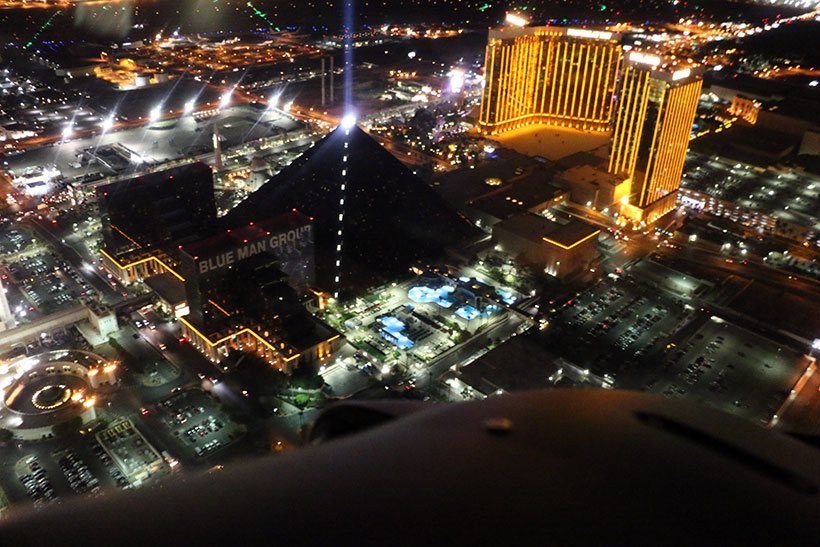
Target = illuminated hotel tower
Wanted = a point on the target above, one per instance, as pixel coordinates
(656, 107)
(549, 75)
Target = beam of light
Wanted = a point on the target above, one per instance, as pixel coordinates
(262, 15)
(456, 80)
(225, 100)
(189, 106)
(154, 114)
(42, 29)
(273, 102)
(107, 124)
(348, 121)
(348, 53)
(68, 131)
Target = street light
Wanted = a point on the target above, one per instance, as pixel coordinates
(67, 132)
(107, 123)
(273, 102)
(226, 99)
(189, 107)
(456, 80)
(154, 114)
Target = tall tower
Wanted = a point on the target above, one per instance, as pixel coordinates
(657, 104)
(549, 75)
(7, 320)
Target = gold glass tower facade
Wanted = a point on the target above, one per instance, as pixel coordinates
(548, 75)
(656, 109)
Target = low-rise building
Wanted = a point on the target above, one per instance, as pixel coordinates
(561, 246)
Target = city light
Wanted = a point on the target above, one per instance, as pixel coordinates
(184, 204)
(644, 58)
(273, 102)
(516, 20)
(348, 121)
(107, 124)
(456, 80)
(225, 100)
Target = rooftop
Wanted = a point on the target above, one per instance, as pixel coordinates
(565, 231)
(550, 142)
(169, 288)
(590, 175)
(531, 190)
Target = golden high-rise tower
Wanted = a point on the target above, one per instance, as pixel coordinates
(549, 75)
(657, 104)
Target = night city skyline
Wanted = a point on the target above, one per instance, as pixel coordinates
(551, 265)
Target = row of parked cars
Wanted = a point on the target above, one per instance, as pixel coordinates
(37, 484)
(77, 473)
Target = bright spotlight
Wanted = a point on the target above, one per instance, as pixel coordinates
(456, 80)
(273, 102)
(107, 124)
(516, 20)
(226, 99)
(155, 113)
(348, 121)
(189, 107)
(67, 132)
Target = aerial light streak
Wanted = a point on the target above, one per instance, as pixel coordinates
(262, 15)
(42, 29)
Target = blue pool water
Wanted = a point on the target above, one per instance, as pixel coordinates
(424, 295)
(392, 332)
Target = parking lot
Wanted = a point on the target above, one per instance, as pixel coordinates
(619, 323)
(42, 282)
(198, 426)
(650, 340)
(76, 472)
(732, 369)
(57, 470)
(49, 284)
(36, 481)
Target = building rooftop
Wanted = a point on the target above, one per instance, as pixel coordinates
(502, 167)
(520, 363)
(749, 144)
(169, 288)
(564, 231)
(551, 142)
(588, 174)
(531, 190)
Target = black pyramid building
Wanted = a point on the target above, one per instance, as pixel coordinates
(389, 218)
